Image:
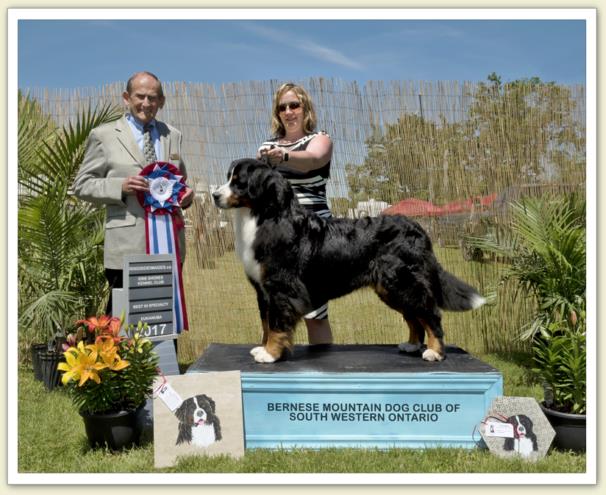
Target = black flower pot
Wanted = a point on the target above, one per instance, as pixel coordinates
(570, 429)
(118, 430)
(51, 376)
(36, 349)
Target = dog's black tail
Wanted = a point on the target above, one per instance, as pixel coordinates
(457, 295)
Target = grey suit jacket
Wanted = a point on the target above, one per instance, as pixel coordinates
(112, 155)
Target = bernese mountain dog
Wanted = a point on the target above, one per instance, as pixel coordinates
(293, 257)
(198, 423)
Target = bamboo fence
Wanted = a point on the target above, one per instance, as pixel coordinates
(221, 123)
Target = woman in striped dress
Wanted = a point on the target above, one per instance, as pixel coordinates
(303, 156)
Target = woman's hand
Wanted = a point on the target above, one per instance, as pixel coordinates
(272, 155)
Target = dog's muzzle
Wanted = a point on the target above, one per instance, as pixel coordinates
(217, 199)
(220, 198)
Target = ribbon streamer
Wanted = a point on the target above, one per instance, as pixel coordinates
(163, 224)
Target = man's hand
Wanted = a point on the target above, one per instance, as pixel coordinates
(134, 184)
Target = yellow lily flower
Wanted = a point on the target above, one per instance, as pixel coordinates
(81, 364)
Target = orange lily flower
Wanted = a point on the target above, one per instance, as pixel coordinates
(103, 325)
(109, 353)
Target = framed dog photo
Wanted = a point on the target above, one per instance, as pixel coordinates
(197, 413)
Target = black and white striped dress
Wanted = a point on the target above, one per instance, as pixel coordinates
(310, 190)
(309, 187)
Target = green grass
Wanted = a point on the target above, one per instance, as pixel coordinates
(437, 460)
(52, 440)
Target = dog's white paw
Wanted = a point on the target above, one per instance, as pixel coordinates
(408, 347)
(261, 355)
(431, 355)
(255, 350)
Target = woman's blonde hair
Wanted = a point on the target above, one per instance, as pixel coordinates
(309, 114)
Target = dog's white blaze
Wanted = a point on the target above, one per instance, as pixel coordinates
(224, 193)
(245, 226)
(202, 434)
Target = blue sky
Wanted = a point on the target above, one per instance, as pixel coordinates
(84, 53)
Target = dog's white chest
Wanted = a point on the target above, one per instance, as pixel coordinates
(523, 446)
(203, 435)
(245, 231)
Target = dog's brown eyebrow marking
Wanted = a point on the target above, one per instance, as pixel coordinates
(234, 175)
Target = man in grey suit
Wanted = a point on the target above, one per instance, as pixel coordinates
(109, 174)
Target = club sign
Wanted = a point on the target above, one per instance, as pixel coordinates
(150, 294)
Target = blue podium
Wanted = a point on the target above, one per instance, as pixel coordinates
(370, 396)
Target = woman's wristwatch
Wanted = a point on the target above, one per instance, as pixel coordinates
(285, 156)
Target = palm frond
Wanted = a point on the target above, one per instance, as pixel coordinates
(74, 136)
(54, 161)
(50, 312)
(60, 239)
(34, 128)
(544, 250)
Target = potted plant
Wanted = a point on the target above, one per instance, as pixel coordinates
(48, 361)
(559, 355)
(110, 374)
(36, 349)
(544, 251)
(45, 356)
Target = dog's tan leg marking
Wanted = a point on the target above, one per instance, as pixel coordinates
(265, 325)
(435, 345)
(274, 347)
(260, 350)
(414, 339)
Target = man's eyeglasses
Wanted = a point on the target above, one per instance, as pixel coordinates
(293, 105)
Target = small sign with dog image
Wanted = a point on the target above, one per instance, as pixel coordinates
(197, 413)
(516, 427)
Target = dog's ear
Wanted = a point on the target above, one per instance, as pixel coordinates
(183, 411)
(268, 188)
(527, 422)
(180, 412)
(210, 401)
(257, 177)
(241, 163)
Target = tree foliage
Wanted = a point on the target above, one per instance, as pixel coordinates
(520, 132)
(526, 128)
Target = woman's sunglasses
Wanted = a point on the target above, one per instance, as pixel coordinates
(293, 105)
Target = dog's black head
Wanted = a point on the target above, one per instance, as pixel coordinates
(195, 410)
(254, 184)
(522, 425)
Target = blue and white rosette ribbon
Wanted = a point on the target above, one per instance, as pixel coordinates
(163, 223)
